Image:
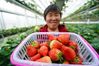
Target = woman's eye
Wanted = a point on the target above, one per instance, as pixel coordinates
(50, 15)
(56, 15)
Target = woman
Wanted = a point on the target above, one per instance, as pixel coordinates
(52, 16)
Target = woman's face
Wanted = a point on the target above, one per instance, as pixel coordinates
(53, 19)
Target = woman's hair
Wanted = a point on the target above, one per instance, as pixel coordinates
(52, 7)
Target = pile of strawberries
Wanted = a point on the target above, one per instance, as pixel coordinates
(58, 49)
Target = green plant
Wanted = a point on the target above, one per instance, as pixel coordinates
(89, 32)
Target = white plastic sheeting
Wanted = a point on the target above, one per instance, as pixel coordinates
(12, 16)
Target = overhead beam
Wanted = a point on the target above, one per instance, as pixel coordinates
(16, 13)
(23, 6)
(82, 12)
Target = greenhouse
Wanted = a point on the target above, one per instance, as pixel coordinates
(25, 22)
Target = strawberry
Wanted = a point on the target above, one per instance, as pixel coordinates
(45, 59)
(52, 37)
(73, 45)
(31, 51)
(64, 38)
(68, 53)
(55, 44)
(43, 50)
(45, 44)
(55, 54)
(35, 44)
(65, 62)
(35, 57)
(76, 60)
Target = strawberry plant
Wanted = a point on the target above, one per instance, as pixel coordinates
(8, 47)
(87, 31)
(5, 51)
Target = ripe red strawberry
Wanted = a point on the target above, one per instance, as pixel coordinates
(64, 38)
(65, 62)
(31, 51)
(45, 59)
(73, 45)
(35, 57)
(68, 53)
(52, 37)
(45, 44)
(55, 54)
(35, 44)
(55, 44)
(43, 50)
(76, 60)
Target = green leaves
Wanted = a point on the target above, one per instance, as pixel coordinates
(90, 32)
(5, 52)
(14, 31)
(95, 43)
(12, 42)
(8, 47)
